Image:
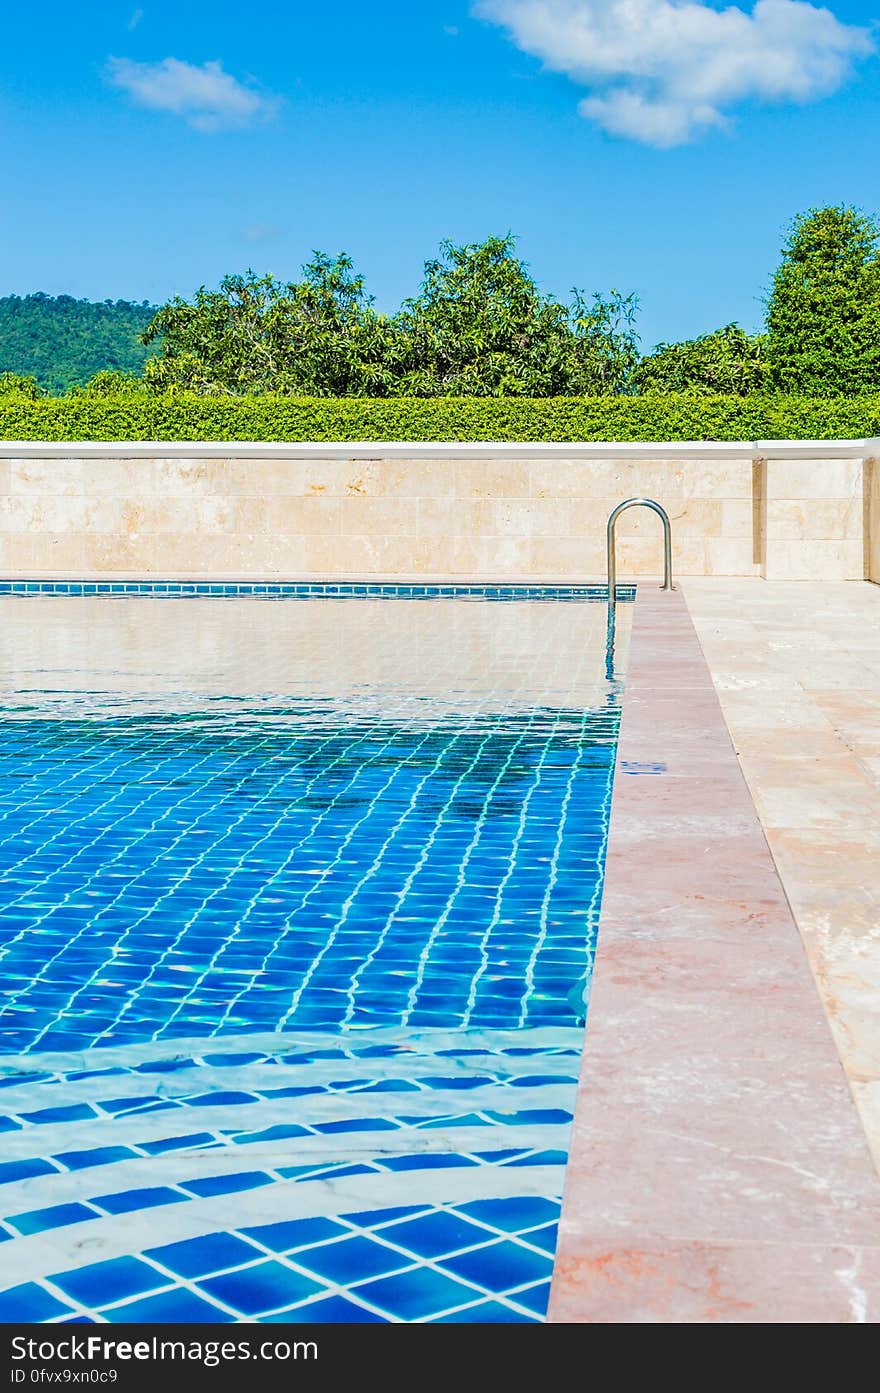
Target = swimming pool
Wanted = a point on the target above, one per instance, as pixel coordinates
(295, 899)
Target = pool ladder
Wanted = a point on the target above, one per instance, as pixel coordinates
(611, 556)
(611, 552)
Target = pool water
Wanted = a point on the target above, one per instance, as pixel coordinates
(295, 898)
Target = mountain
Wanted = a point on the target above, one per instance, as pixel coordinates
(62, 342)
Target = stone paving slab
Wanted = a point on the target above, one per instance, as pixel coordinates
(811, 763)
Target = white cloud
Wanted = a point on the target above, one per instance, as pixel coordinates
(136, 18)
(662, 71)
(207, 97)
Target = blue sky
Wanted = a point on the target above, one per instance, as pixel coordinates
(656, 146)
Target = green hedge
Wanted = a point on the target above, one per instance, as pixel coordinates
(146, 416)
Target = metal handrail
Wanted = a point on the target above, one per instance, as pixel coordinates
(611, 544)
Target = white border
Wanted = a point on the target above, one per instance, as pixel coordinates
(433, 450)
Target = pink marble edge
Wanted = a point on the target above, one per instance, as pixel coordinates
(718, 1168)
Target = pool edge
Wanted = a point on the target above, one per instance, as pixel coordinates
(718, 1170)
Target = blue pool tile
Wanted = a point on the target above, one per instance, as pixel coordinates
(534, 1298)
(545, 1238)
(426, 1161)
(472, 1119)
(102, 1282)
(417, 1294)
(99, 1156)
(373, 1124)
(351, 1260)
(75, 1112)
(29, 1303)
(484, 1313)
(295, 1233)
(334, 1310)
(172, 1307)
(340, 1172)
(542, 1158)
(120, 1105)
(127, 1201)
(197, 1257)
(24, 1170)
(499, 1266)
(370, 1218)
(297, 1172)
(435, 1234)
(515, 1215)
(197, 1139)
(278, 1133)
(54, 1217)
(213, 1100)
(266, 1287)
(501, 1158)
(226, 1184)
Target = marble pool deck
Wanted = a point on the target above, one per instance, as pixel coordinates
(797, 670)
(720, 1171)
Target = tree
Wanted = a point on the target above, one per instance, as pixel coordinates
(823, 313)
(481, 327)
(16, 384)
(729, 361)
(319, 336)
(109, 383)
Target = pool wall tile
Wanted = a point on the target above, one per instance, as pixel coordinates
(310, 590)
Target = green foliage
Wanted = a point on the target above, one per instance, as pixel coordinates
(317, 337)
(479, 327)
(109, 383)
(669, 416)
(15, 384)
(62, 342)
(730, 361)
(823, 314)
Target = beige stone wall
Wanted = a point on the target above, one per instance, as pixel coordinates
(467, 512)
(814, 519)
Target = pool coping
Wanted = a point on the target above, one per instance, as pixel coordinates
(780, 448)
(718, 1170)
